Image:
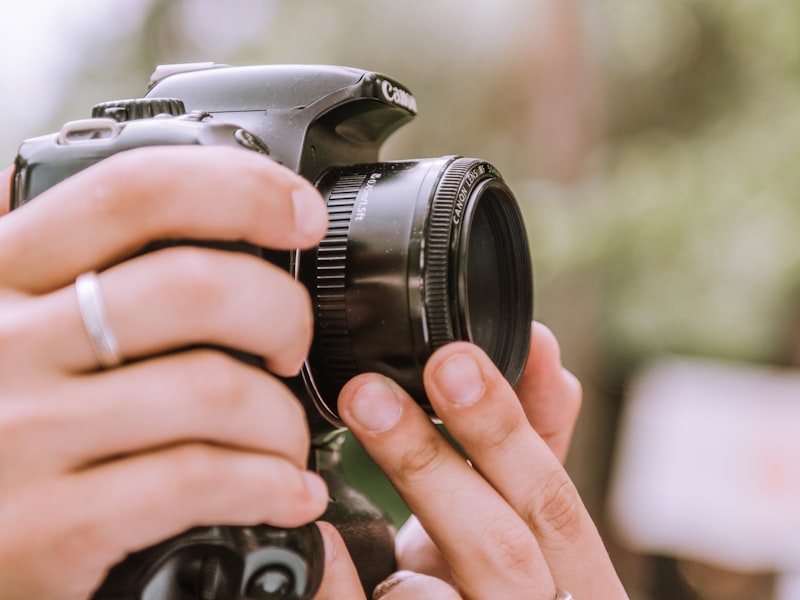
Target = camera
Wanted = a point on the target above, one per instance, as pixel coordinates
(419, 252)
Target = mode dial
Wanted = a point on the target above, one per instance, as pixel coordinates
(139, 108)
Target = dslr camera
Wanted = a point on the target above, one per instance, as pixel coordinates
(419, 253)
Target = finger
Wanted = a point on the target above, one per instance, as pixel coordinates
(340, 579)
(481, 412)
(550, 395)
(197, 395)
(178, 488)
(93, 519)
(113, 208)
(5, 189)
(407, 585)
(181, 296)
(416, 552)
(487, 545)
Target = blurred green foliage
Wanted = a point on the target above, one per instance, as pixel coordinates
(696, 226)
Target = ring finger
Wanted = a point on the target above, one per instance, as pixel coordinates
(178, 297)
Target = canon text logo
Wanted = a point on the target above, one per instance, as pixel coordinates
(399, 96)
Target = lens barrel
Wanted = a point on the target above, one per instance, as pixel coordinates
(419, 253)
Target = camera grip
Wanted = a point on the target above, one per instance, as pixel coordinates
(222, 563)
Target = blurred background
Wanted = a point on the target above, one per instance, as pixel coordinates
(652, 146)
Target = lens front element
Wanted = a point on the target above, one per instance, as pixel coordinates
(489, 276)
(419, 253)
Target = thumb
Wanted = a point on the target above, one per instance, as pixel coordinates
(340, 579)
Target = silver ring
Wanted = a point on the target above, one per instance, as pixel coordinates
(90, 303)
(562, 594)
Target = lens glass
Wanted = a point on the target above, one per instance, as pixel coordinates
(484, 285)
(494, 278)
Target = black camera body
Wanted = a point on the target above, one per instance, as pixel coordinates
(312, 117)
(419, 252)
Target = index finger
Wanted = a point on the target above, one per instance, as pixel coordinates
(480, 411)
(109, 210)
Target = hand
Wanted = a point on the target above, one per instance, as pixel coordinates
(96, 464)
(511, 524)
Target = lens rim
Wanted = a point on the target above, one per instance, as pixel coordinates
(385, 281)
(450, 200)
(466, 184)
(508, 348)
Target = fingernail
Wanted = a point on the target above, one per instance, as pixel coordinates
(391, 582)
(310, 213)
(460, 380)
(376, 406)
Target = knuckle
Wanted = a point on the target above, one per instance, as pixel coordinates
(297, 306)
(81, 539)
(22, 328)
(11, 330)
(140, 194)
(241, 396)
(81, 544)
(267, 174)
(555, 512)
(301, 313)
(17, 422)
(292, 326)
(193, 270)
(219, 379)
(421, 460)
(254, 176)
(500, 430)
(510, 546)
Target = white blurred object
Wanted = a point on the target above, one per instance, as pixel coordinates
(708, 466)
(787, 587)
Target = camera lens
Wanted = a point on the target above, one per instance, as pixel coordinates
(494, 296)
(418, 254)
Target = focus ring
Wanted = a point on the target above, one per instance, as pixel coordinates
(332, 330)
(451, 197)
(138, 108)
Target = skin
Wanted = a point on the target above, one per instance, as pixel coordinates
(79, 443)
(207, 438)
(510, 524)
